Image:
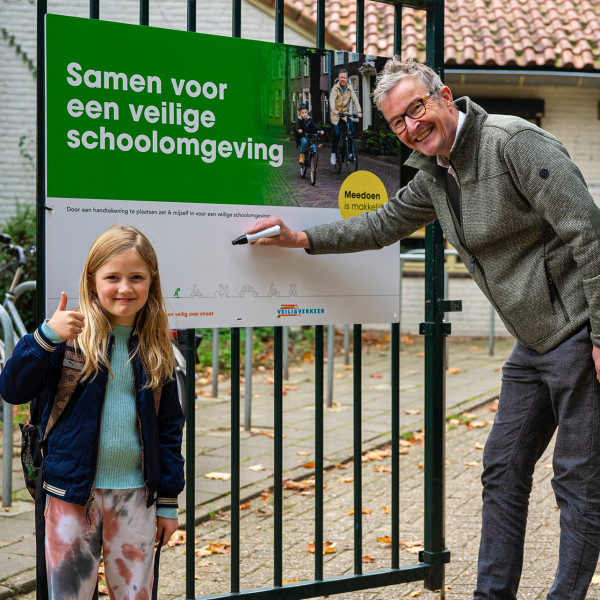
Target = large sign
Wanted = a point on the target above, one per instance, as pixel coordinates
(189, 137)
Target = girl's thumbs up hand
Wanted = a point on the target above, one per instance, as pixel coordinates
(67, 324)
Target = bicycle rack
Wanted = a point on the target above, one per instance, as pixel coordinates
(9, 344)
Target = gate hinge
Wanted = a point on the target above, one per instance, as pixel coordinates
(434, 328)
(434, 558)
(445, 306)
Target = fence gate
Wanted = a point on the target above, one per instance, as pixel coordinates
(431, 561)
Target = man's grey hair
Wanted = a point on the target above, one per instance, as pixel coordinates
(396, 69)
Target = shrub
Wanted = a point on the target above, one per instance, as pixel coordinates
(381, 142)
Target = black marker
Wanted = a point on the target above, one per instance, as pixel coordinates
(252, 237)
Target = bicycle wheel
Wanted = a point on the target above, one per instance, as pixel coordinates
(313, 168)
(348, 155)
(303, 168)
(352, 163)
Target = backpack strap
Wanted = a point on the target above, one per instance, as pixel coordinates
(72, 367)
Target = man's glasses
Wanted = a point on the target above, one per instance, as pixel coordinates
(414, 111)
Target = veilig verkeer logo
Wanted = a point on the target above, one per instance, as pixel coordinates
(293, 310)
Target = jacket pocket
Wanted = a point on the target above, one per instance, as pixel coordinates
(555, 298)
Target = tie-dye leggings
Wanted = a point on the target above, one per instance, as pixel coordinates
(121, 526)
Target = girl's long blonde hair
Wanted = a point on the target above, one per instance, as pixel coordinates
(151, 324)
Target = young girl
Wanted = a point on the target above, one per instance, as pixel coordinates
(112, 460)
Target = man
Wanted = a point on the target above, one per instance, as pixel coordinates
(517, 209)
(339, 101)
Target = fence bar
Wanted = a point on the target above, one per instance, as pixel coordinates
(398, 29)
(321, 24)
(94, 9)
(190, 462)
(144, 12)
(330, 361)
(360, 26)
(191, 15)
(40, 185)
(357, 449)
(395, 449)
(248, 381)
(346, 344)
(235, 460)
(319, 451)
(279, 21)
(278, 470)
(215, 363)
(236, 19)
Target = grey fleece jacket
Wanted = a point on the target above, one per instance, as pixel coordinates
(530, 233)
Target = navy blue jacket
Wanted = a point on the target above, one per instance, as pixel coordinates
(71, 450)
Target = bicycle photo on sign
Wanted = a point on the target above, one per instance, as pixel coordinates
(334, 89)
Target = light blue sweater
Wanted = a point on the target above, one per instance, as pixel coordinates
(120, 452)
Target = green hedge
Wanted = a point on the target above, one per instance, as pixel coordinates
(381, 142)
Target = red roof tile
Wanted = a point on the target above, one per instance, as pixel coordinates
(557, 34)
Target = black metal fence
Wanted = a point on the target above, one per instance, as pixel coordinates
(430, 568)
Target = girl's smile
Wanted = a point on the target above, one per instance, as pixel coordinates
(123, 285)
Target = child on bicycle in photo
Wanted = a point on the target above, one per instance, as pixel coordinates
(112, 466)
(305, 125)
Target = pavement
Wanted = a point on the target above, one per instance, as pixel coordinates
(472, 385)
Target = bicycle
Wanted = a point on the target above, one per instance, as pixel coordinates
(345, 151)
(310, 158)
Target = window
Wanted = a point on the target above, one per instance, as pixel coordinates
(353, 57)
(306, 67)
(338, 58)
(326, 60)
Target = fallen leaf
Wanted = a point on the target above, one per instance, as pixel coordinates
(334, 410)
(479, 446)
(493, 408)
(368, 559)
(386, 539)
(245, 506)
(219, 547)
(454, 421)
(548, 466)
(476, 424)
(303, 453)
(407, 339)
(376, 375)
(348, 368)
(386, 510)
(346, 479)
(328, 547)
(405, 443)
(289, 581)
(595, 580)
(475, 348)
(196, 576)
(471, 463)
(412, 411)
(202, 552)
(453, 370)
(204, 563)
(221, 476)
(376, 454)
(177, 539)
(382, 469)
(468, 415)
(403, 451)
(336, 404)
(257, 468)
(309, 465)
(340, 466)
(365, 511)
(420, 465)
(289, 484)
(415, 594)
(291, 388)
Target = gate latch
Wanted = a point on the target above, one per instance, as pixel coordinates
(449, 306)
(434, 558)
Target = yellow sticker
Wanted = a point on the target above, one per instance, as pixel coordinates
(361, 192)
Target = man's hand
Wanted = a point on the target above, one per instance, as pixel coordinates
(165, 528)
(596, 357)
(335, 112)
(287, 238)
(67, 324)
(360, 115)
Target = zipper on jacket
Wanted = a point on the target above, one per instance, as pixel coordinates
(139, 420)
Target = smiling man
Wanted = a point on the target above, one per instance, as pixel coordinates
(518, 211)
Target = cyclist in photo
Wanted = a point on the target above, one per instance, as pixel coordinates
(305, 125)
(339, 101)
